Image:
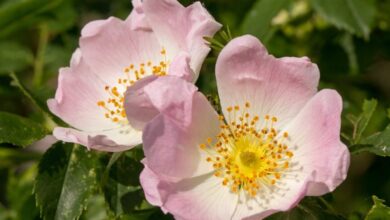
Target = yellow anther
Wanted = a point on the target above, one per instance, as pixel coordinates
(101, 103)
(246, 156)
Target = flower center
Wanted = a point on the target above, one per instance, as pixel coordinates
(249, 159)
(248, 154)
(113, 106)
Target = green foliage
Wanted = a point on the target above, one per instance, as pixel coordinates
(258, 19)
(49, 117)
(12, 157)
(70, 172)
(355, 16)
(20, 194)
(14, 57)
(379, 210)
(121, 182)
(219, 40)
(19, 131)
(22, 14)
(378, 143)
(360, 123)
(310, 208)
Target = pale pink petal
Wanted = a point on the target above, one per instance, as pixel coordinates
(150, 182)
(201, 197)
(109, 46)
(139, 109)
(169, 95)
(173, 150)
(137, 19)
(180, 67)
(171, 140)
(138, 102)
(113, 140)
(286, 194)
(315, 133)
(77, 95)
(180, 28)
(279, 87)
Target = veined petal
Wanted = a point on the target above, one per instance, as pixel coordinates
(181, 28)
(278, 87)
(200, 197)
(139, 108)
(151, 182)
(316, 134)
(110, 46)
(286, 195)
(172, 138)
(137, 18)
(112, 140)
(76, 97)
(169, 95)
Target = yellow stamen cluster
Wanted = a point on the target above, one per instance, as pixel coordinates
(113, 106)
(248, 153)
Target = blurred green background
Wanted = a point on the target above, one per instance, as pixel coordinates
(348, 39)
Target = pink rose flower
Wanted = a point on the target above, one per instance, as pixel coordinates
(160, 37)
(277, 141)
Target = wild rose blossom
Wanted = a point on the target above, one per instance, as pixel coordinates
(276, 142)
(158, 36)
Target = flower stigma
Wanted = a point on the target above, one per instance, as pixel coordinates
(248, 154)
(113, 106)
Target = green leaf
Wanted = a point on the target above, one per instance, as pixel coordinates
(355, 16)
(346, 42)
(258, 19)
(65, 181)
(378, 144)
(23, 14)
(121, 188)
(360, 123)
(19, 193)
(311, 208)
(96, 209)
(19, 131)
(369, 107)
(378, 211)
(14, 57)
(122, 199)
(52, 119)
(147, 214)
(12, 157)
(126, 171)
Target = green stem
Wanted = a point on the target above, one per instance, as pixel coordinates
(40, 57)
(114, 157)
(327, 204)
